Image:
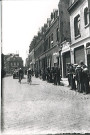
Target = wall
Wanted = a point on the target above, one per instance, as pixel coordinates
(84, 31)
(64, 20)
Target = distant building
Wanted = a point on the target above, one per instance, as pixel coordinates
(11, 62)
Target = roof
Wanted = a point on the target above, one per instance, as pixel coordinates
(14, 58)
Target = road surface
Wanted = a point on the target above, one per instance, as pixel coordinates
(43, 108)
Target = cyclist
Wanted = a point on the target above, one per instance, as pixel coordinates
(29, 74)
(20, 73)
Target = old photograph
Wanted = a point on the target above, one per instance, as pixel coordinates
(45, 67)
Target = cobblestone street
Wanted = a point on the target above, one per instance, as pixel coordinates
(43, 108)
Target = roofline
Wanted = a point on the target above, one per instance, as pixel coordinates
(73, 5)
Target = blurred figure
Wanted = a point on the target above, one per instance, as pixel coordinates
(71, 76)
(58, 76)
(20, 73)
(36, 73)
(82, 75)
(78, 77)
(86, 80)
(68, 73)
(74, 76)
(29, 74)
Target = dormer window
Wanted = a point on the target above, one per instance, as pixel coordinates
(77, 25)
(86, 16)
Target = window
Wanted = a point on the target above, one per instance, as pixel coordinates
(11, 64)
(46, 45)
(57, 34)
(86, 16)
(17, 63)
(14, 63)
(52, 39)
(77, 25)
(49, 41)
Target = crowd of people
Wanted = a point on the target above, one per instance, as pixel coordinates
(78, 76)
(51, 75)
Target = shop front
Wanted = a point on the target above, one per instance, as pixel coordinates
(66, 60)
(79, 54)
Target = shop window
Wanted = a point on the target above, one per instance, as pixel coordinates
(86, 16)
(77, 26)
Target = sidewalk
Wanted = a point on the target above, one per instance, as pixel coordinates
(64, 81)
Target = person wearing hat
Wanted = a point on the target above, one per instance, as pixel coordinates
(78, 77)
(68, 73)
(20, 73)
(83, 76)
(29, 73)
(86, 80)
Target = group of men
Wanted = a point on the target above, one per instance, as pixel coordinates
(52, 75)
(78, 77)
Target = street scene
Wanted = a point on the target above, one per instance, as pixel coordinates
(45, 66)
(43, 108)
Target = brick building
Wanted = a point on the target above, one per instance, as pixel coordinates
(64, 38)
(79, 11)
(47, 44)
(11, 62)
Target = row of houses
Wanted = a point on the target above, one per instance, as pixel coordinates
(64, 38)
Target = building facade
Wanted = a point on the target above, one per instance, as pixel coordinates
(48, 43)
(65, 38)
(12, 62)
(79, 11)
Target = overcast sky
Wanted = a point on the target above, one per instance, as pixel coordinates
(21, 20)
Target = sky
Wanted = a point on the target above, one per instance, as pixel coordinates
(21, 20)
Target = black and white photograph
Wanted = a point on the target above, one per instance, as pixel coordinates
(45, 67)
